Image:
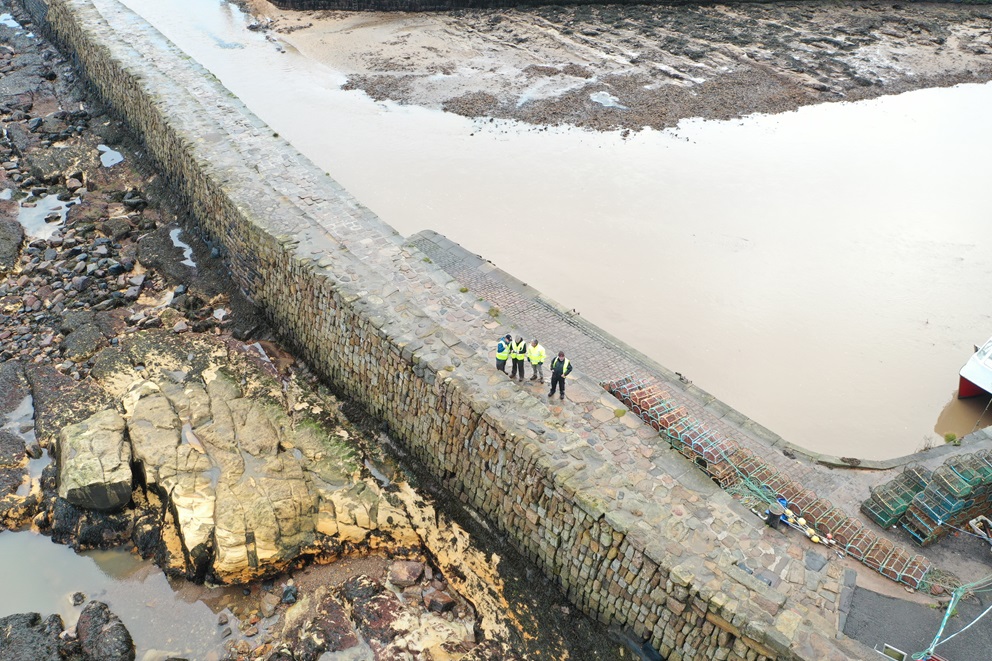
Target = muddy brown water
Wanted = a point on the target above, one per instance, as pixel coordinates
(164, 618)
(821, 270)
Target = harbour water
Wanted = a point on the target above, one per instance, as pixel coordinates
(823, 271)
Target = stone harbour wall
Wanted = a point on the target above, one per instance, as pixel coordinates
(378, 321)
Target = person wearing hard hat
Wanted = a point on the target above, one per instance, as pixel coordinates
(560, 368)
(503, 352)
(536, 355)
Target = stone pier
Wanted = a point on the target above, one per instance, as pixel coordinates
(627, 527)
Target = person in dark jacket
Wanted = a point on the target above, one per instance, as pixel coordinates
(503, 352)
(518, 353)
(560, 368)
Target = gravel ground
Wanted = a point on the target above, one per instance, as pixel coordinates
(626, 67)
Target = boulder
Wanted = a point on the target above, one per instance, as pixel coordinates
(102, 635)
(95, 462)
(25, 637)
(404, 573)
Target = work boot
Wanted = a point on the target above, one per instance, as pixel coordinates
(562, 398)
(551, 394)
(533, 378)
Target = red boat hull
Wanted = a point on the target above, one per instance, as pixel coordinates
(968, 389)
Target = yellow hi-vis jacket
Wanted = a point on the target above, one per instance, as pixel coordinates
(536, 354)
(518, 351)
(502, 349)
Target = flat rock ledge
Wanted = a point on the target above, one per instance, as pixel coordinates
(96, 463)
(247, 490)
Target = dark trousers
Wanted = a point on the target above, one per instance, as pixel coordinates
(518, 366)
(501, 365)
(557, 381)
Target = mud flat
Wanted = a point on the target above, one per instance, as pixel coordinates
(658, 64)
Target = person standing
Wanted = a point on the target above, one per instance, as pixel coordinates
(560, 368)
(503, 352)
(536, 355)
(518, 352)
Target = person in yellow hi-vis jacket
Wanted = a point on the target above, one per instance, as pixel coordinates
(536, 355)
(503, 352)
(560, 368)
(518, 352)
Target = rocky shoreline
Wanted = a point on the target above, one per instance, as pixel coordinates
(169, 421)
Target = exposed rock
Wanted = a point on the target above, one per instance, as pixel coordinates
(95, 462)
(268, 604)
(404, 573)
(84, 529)
(25, 637)
(329, 630)
(438, 602)
(11, 236)
(248, 490)
(378, 618)
(60, 400)
(102, 635)
(83, 342)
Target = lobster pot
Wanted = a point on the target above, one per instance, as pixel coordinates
(967, 468)
(861, 543)
(985, 457)
(921, 527)
(801, 504)
(881, 514)
(948, 480)
(831, 521)
(905, 568)
(654, 415)
(980, 463)
(718, 453)
(612, 386)
(764, 475)
(938, 503)
(747, 462)
(641, 400)
(678, 424)
(879, 554)
(847, 531)
(918, 476)
(666, 420)
(890, 501)
(787, 489)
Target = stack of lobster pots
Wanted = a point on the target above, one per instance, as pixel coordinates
(729, 464)
(958, 491)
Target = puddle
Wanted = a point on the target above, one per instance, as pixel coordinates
(164, 619)
(109, 157)
(187, 250)
(8, 20)
(607, 100)
(20, 422)
(34, 218)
